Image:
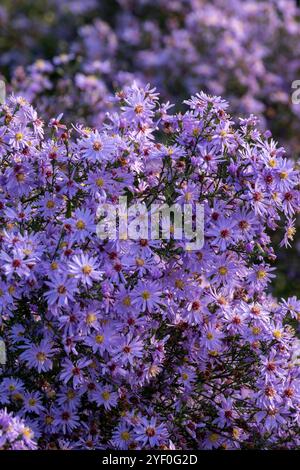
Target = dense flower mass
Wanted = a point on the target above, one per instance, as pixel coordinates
(141, 343)
(68, 56)
(245, 50)
(14, 434)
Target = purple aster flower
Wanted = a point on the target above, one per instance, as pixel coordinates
(10, 387)
(147, 296)
(66, 420)
(15, 434)
(84, 268)
(129, 350)
(97, 147)
(260, 275)
(105, 396)
(139, 104)
(223, 233)
(122, 437)
(19, 138)
(61, 290)
(148, 432)
(292, 305)
(196, 308)
(74, 372)
(83, 223)
(38, 356)
(69, 398)
(18, 264)
(290, 231)
(226, 413)
(211, 337)
(104, 339)
(272, 417)
(33, 402)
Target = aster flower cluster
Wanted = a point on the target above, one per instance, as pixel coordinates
(245, 50)
(14, 434)
(140, 343)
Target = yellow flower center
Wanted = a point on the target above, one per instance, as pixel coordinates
(100, 182)
(146, 295)
(50, 204)
(261, 274)
(90, 318)
(11, 289)
(125, 436)
(291, 232)
(41, 357)
(243, 224)
(272, 162)
(49, 420)
(277, 334)
(127, 301)
(138, 109)
(213, 352)
(106, 395)
(223, 270)
(283, 175)
(256, 330)
(27, 433)
(20, 177)
(87, 269)
(179, 284)
(139, 262)
(99, 339)
(80, 225)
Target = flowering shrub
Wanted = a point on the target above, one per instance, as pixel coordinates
(14, 434)
(244, 50)
(142, 343)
